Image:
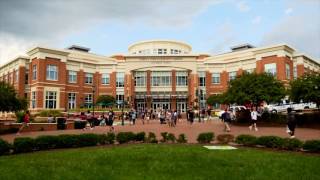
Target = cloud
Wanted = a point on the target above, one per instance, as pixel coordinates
(49, 22)
(243, 6)
(227, 36)
(288, 11)
(256, 20)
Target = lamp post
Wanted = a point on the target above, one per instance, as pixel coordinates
(93, 91)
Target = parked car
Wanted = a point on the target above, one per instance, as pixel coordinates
(277, 108)
(233, 110)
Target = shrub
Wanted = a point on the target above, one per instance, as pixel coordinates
(106, 138)
(87, 140)
(23, 144)
(225, 138)
(291, 144)
(19, 116)
(152, 138)
(54, 113)
(141, 136)
(4, 147)
(67, 141)
(182, 138)
(247, 140)
(270, 141)
(205, 137)
(171, 137)
(164, 136)
(312, 145)
(124, 137)
(46, 142)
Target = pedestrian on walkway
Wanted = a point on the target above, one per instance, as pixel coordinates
(25, 122)
(202, 115)
(291, 122)
(190, 116)
(254, 118)
(226, 118)
(209, 113)
(110, 120)
(133, 116)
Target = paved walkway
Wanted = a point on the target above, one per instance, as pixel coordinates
(191, 131)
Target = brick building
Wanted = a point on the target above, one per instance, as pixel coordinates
(153, 74)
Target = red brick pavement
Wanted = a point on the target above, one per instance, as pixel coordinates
(191, 131)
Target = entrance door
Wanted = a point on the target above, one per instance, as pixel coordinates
(182, 106)
(140, 106)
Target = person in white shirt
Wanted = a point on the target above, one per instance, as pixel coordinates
(254, 118)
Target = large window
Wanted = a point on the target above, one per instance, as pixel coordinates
(105, 79)
(51, 99)
(232, 75)
(71, 100)
(120, 79)
(88, 78)
(271, 68)
(52, 72)
(295, 72)
(140, 79)
(161, 78)
(72, 76)
(202, 78)
(215, 78)
(88, 100)
(33, 99)
(34, 72)
(182, 78)
(287, 71)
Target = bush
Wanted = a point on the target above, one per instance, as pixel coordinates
(182, 138)
(23, 144)
(4, 147)
(19, 116)
(247, 140)
(54, 113)
(141, 136)
(152, 138)
(225, 138)
(67, 141)
(164, 137)
(124, 137)
(87, 140)
(46, 142)
(292, 144)
(106, 138)
(171, 137)
(312, 146)
(205, 137)
(270, 141)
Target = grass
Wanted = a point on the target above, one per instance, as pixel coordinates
(147, 161)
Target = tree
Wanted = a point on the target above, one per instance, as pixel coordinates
(215, 98)
(306, 89)
(9, 100)
(254, 88)
(105, 100)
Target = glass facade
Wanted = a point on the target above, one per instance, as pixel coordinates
(161, 78)
(140, 78)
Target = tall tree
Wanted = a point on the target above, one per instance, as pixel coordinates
(105, 100)
(254, 88)
(9, 101)
(306, 89)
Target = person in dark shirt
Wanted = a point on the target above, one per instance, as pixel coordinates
(291, 122)
(110, 119)
(226, 118)
(209, 113)
(190, 116)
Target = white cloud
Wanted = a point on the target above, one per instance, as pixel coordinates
(288, 11)
(227, 37)
(256, 20)
(243, 6)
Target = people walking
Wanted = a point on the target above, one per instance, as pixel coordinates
(209, 113)
(254, 118)
(202, 115)
(226, 118)
(291, 122)
(110, 120)
(133, 116)
(190, 116)
(25, 122)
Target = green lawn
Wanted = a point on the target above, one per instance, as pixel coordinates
(147, 161)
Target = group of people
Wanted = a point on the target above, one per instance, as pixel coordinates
(193, 114)
(103, 120)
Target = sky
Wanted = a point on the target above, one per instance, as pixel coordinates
(108, 27)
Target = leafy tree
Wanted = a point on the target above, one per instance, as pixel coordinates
(9, 100)
(254, 88)
(306, 88)
(215, 98)
(105, 100)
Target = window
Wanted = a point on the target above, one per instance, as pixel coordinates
(271, 68)
(105, 79)
(232, 75)
(71, 100)
(16, 76)
(34, 72)
(295, 73)
(26, 77)
(10, 78)
(250, 71)
(88, 101)
(88, 78)
(120, 79)
(33, 99)
(140, 79)
(72, 76)
(52, 73)
(202, 78)
(215, 78)
(51, 99)
(287, 71)
(161, 78)
(182, 78)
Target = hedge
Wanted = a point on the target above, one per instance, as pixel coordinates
(247, 140)
(106, 138)
(124, 137)
(23, 145)
(4, 147)
(312, 146)
(205, 137)
(292, 144)
(46, 142)
(225, 138)
(152, 138)
(182, 138)
(141, 136)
